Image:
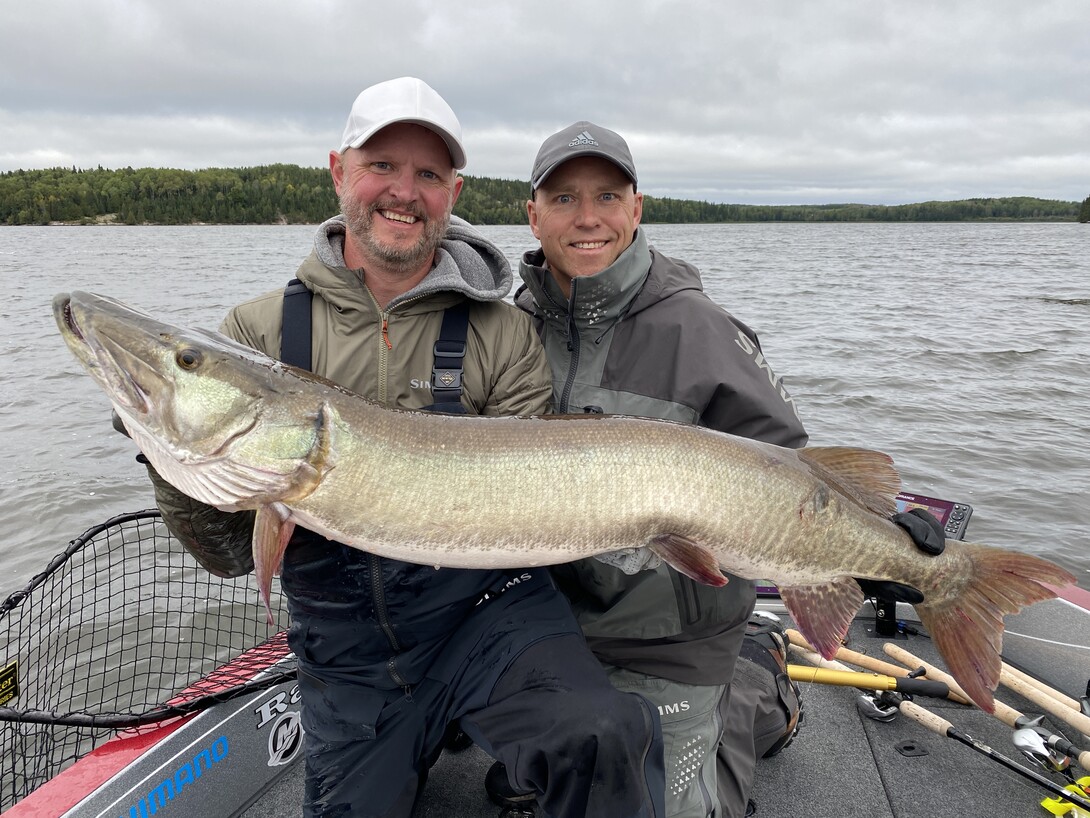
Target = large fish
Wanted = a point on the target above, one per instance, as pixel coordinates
(236, 429)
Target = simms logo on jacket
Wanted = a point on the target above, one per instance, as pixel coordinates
(750, 348)
(672, 709)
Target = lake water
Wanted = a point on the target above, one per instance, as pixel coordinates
(962, 350)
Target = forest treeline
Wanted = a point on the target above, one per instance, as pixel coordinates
(289, 194)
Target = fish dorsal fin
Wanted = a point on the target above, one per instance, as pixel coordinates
(863, 475)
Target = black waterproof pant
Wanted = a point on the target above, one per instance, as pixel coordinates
(541, 705)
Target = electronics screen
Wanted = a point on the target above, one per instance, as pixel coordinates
(954, 517)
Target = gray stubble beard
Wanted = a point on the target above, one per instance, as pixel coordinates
(359, 221)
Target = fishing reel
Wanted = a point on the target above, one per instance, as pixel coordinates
(884, 705)
(1054, 754)
(880, 705)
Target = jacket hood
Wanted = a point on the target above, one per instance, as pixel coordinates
(667, 277)
(465, 262)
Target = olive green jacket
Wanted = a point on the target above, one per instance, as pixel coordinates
(386, 355)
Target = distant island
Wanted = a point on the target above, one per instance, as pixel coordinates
(289, 194)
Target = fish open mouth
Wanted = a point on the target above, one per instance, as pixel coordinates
(106, 361)
(69, 319)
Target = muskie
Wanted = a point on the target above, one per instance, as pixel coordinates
(236, 429)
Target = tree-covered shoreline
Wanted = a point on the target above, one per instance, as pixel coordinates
(289, 194)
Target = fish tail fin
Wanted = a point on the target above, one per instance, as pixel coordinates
(272, 531)
(967, 627)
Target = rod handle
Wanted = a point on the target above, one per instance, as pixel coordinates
(932, 721)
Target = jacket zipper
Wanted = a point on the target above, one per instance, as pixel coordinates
(717, 726)
(382, 615)
(387, 345)
(573, 349)
(378, 591)
(386, 330)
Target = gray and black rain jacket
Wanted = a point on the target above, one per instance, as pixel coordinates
(642, 338)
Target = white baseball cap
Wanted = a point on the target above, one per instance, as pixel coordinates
(405, 99)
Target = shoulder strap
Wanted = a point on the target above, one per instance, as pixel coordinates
(295, 333)
(450, 351)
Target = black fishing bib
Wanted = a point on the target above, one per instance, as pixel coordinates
(449, 350)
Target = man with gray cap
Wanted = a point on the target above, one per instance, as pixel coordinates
(402, 303)
(628, 330)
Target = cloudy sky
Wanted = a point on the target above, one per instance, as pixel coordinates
(784, 102)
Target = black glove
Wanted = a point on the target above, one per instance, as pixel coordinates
(926, 532)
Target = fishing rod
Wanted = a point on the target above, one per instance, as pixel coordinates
(1053, 702)
(1062, 698)
(868, 681)
(942, 727)
(831, 672)
(1046, 702)
(1006, 714)
(870, 663)
(884, 706)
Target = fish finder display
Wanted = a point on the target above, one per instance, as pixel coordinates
(953, 517)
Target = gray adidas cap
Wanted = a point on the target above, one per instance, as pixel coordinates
(581, 139)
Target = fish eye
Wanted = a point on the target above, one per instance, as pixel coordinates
(188, 358)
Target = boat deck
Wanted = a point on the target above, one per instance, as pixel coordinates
(241, 756)
(841, 763)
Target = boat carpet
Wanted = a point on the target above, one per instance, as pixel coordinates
(841, 765)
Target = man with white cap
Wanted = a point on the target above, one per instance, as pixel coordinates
(392, 653)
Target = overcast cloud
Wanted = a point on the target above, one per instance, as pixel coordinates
(776, 102)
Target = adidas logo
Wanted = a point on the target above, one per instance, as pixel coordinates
(583, 139)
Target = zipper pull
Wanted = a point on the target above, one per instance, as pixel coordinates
(385, 331)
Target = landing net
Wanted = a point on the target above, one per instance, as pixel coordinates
(123, 629)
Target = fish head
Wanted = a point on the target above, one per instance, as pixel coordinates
(197, 404)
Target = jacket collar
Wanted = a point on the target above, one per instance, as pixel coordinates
(466, 263)
(597, 300)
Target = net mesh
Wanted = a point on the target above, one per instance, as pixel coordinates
(123, 628)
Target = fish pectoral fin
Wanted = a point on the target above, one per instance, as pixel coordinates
(695, 561)
(273, 528)
(863, 475)
(824, 612)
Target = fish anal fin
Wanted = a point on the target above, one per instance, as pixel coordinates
(690, 558)
(824, 612)
(864, 475)
(273, 528)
